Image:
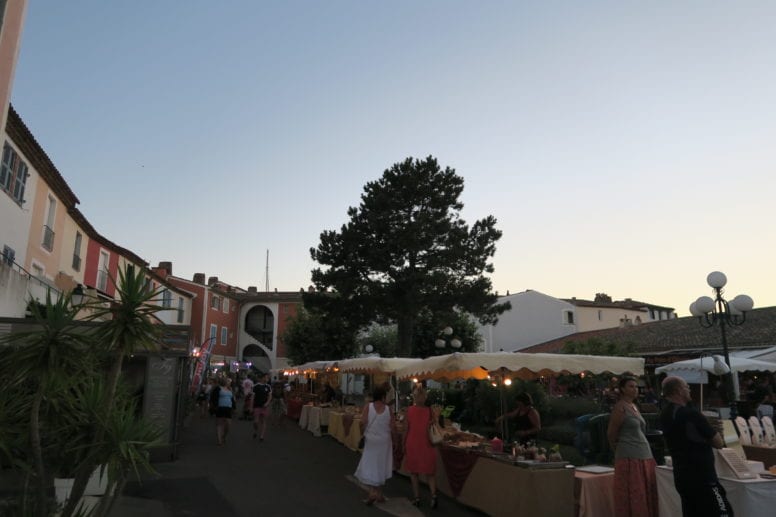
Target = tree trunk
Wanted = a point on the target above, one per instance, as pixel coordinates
(85, 472)
(37, 452)
(406, 327)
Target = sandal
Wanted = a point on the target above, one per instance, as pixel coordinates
(434, 502)
(369, 501)
(416, 501)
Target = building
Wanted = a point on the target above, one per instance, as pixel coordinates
(536, 317)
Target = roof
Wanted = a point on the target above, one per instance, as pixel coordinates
(679, 335)
(621, 304)
(23, 139)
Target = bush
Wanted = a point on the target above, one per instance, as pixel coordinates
(562, 409)
(563, 434)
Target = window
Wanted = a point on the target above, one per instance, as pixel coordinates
(180, 310)
(166, 299)
(102, 272)
(226, 305)
(224, 335)
(568, 317)
(215, 302)
(13, 174)
(48, 228)
(600, 315)
(213, 331)
(8, 255)
(77, 252)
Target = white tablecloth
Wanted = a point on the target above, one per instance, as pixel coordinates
(313, 417)
(749, 498)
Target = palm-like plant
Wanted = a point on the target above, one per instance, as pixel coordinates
(132, 324)
(39, 362)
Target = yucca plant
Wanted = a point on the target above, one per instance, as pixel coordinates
(37, 363)
(130, 324)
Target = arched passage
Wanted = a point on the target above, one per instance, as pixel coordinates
(260, 325)
(258, 357)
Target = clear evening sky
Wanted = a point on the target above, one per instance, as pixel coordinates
(624, 147)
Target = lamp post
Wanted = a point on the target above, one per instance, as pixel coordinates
(717, 310)
(444, 335)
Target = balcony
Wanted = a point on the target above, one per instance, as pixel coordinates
(76, 262)
(48, 238)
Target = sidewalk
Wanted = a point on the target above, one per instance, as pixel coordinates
(290, 473)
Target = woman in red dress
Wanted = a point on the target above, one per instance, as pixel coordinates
(420, 455)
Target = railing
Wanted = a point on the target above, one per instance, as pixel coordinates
(48, 238)
(76, 262)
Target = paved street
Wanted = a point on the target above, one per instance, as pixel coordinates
(290, 473)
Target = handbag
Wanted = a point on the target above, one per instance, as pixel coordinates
(435, 435)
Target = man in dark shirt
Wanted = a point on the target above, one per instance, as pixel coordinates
(690, 439)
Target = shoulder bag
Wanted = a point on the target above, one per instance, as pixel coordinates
(362, 441)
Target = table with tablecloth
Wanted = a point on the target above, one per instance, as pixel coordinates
(500, 488)
(313, 418)
(345, 428)
(594, 494)
(759, 453)
(749, 498)
(294, 408)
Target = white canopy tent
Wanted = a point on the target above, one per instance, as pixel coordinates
(695, 371)
(461, 365)
(375, 364)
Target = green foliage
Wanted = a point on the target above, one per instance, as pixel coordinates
(406, 250)
(596, 346)
(60, 414)
(312, 336)
(569, 408)
(384, 340)
(428, 329)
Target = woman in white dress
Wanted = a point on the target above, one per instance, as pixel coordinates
(376, 463)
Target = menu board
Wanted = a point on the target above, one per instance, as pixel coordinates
(159, 395)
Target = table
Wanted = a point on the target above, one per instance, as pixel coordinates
(345, 428)
(500, 488)
(758, 453)
(294, 408)
(750, 498)
(594, 494)
(313, 417)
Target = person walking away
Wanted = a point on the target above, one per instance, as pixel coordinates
(528, 423)
(376, 464)
(223, 410)
(247, 388)
(690, 439)
(278, 404)
(635, 484)
(420, 455)
(262, 395)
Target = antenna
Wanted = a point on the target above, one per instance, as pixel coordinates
(266, 274)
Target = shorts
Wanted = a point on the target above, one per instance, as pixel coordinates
(223, 412)
(260, 411)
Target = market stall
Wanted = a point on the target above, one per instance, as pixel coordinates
(526, 483)
(749, 497)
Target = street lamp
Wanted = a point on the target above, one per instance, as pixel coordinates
(441, 341)
(711, 311)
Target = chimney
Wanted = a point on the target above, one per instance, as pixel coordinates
(252, 289)
(311, 289)
(212, 280)
(166, 266)
(199, 278)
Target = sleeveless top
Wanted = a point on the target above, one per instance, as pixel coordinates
(224, 398)
(523, 423)
(632, 440)
(379, 424)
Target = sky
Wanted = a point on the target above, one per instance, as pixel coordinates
(623, 147)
